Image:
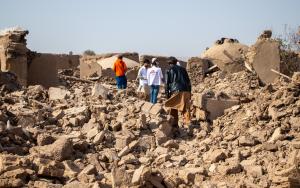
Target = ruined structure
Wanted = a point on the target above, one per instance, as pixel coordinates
(91, 65)
(227, 54)
(87, 133)
(31, 67)
(265, 55)
(13, 53)
(197, 68)
(87, 136)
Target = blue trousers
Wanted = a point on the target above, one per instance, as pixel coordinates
(154, 93)
(121, 82)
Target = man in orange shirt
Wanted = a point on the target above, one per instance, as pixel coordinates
(120, 69)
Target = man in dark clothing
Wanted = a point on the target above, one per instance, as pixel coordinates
(178, 91)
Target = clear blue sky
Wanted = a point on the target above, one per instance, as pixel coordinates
(161, 27)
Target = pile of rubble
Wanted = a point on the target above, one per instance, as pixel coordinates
(86, 133)
(79, 136)
(92, 135)
(257, 143)
(240, 85)
(8, 82)
(197, 69)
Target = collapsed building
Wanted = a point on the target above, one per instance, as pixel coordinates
(31, 67)
(13, 53)
(101, 65)
(227, 54)
(264, 59)
(87, 133)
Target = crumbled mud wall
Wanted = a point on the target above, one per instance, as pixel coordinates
(89, 66)
(197, 67)
(30, 67)
(42, 70)
(227, 54)
(65, 61)
(264, 55)
(13, 53)
(88, 59)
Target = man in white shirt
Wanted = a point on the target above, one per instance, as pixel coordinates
(154, 77)
(143, 89)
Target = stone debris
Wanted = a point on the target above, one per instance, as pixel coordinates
(244, 133)
(60, 150)
(8, 82)
(57, 93)
(197, 69)
(99, 90)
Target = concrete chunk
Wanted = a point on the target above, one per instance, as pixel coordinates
(264, 55)
(60, 150)
(214, 156)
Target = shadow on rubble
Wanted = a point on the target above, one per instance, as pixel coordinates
(8, 83)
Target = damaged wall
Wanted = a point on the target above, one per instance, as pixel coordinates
(90, 67)
(43, 67)
(65, 61)
(89, 59)
(212, 107)
(30, 67)
(264, 55)
(43, 70)
(227, 54)
(13, 53)
(197, 67)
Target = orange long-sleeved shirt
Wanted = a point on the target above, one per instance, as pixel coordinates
(120, 67)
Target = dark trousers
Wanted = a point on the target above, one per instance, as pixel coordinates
(121, 82)
(154, 93)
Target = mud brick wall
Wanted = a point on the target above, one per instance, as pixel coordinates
(43, 70)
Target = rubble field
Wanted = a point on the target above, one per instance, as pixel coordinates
(86, 133)
(92, 135)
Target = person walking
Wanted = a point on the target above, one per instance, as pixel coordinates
(178, 91)
(143, 89)
(154, 77)
(120, 69)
